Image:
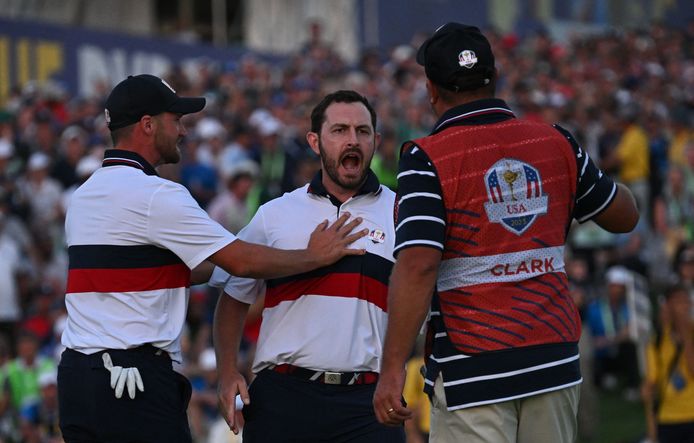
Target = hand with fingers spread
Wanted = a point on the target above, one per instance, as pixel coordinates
(330, 243)
(388, 404)
(122, 377)
(229, 387)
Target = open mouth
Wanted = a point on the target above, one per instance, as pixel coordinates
(351, 161)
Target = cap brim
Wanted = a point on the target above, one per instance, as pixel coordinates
(187, 105)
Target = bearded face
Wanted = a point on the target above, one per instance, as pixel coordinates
(346, 145)
(168, 134)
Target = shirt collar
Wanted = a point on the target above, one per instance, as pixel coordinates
(478, 112)
(122, 157)
(371, 186)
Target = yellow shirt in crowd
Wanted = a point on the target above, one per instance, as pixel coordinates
(677, 405)
(678, 147)
(633, 154)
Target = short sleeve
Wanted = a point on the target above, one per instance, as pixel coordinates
(420, 211)
(245, 290)
(179, 224)
(595, 190)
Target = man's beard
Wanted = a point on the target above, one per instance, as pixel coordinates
(331, 166)
(168, 153)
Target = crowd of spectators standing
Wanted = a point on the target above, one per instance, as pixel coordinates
(627, 96)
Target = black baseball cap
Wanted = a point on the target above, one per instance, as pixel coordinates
(145, 94)
(457, 57)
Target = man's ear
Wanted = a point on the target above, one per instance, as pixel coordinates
(313, 141)
(148, 124)
(433, 92)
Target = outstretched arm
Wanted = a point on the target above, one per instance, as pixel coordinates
(327, 245)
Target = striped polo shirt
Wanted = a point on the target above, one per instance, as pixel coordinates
(132, 239)
(332, 318)
(476, 376)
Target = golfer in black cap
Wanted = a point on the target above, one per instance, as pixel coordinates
(133, 239)
(484, 206)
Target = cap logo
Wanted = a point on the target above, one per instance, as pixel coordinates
(108, 116)
(168, 85)
(467, 58)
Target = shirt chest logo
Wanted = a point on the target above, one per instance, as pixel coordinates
(377, 236)
(515, 197)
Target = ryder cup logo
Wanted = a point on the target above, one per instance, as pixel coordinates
(515, 195)
(467, 58)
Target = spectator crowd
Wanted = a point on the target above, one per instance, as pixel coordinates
(627, 96)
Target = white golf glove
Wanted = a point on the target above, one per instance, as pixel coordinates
(122, 377)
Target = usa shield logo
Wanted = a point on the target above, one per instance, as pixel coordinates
(515, 197)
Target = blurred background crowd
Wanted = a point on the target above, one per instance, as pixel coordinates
(627, 95)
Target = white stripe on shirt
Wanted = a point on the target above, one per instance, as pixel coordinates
(585, 165)
(419, 194)
(597, 211)
(415, 172)
(478, 111)
(447, 359)
(420, 218)
(585, 193)
(511, 373)
(419, 242)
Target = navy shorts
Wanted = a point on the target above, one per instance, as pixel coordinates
(90, 412)
(289, 409)
(676, 432)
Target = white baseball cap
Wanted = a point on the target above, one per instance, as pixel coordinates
(38, 160)
(6, 148)
(618, 275)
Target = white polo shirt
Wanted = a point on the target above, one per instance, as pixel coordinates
(333, 318)
(132, 239)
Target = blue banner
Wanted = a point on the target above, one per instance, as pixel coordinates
(85, 62)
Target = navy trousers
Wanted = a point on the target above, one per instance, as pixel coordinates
(287, 409)
(90, 412)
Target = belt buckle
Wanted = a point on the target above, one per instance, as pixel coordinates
(332, 378)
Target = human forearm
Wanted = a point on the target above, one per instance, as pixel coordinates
(243, 259)
(326, 245)
(649, 411)
(409, 297)
(227, 328)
